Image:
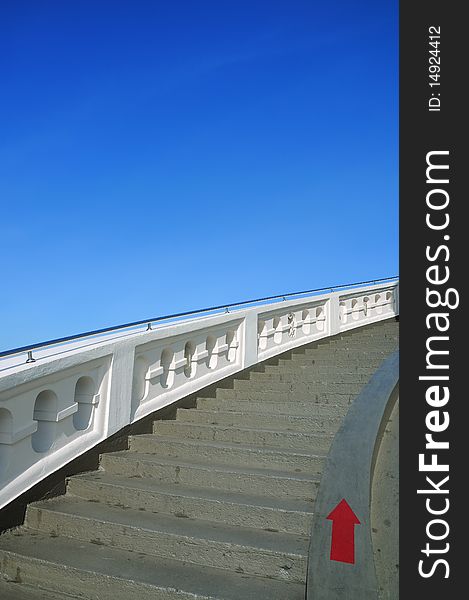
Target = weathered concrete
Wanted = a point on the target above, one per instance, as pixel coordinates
(327, 369)
(310, 408)
(283, 422)
(242, 510)
(243, 435)
(93, 570)
(271, 397)
(306, 376)
(285, 388)
(340, 362)
(230, 454)
(20, 591)
(234, 478)
(385, 511)
(216, 504)
(257, 552)
(348, 475)
(73, 396)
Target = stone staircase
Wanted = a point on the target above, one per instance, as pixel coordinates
(216, 504)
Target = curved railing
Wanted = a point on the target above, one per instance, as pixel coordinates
(348, 476)
(75, 395)
(131, 327)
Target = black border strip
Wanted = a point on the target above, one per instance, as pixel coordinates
(433, 261)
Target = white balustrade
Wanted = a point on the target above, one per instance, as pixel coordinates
(367, 306)
(291, 324)
(69, 400)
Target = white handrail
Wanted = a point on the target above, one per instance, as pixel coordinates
(62, 405)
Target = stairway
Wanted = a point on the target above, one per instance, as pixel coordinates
(216, 504)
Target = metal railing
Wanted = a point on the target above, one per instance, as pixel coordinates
(149, 322)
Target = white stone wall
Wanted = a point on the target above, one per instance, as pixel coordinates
(78, 394)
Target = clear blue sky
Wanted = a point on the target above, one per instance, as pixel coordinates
(161, 156)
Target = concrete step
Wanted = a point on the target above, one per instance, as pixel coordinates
(379, 333)
(239, 549)
(357, 341)
(305, 376)
(13, 590)
(362, 349)
(364, 345)
(292, 395)
(222, 453)
(386, 326)
(327, 350)
(90, 571)
(338, 363)
(298, 387)
(216, 505)
(374, 332)
(369, 341)
(307, 424)
(378, 326)
(320, 370)
(365, 341)
(282, 484)
(237, 510)
(243, 435)
(308, 408)
(340, 353)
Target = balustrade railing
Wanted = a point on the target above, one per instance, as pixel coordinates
(78, 391)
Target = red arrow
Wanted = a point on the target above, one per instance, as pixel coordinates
(343, 533)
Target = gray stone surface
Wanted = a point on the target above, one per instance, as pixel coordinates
(217, 504)
(261, 436)
(256, 552)
(283, 422)
(308, 460)
(348, 476)
(97, 571)
(236, 478)
(385, 511)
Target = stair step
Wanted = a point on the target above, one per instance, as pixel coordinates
(304, 408)
(294, 369)
(385, 325)
(308, 461)
(298, 387)
(356, 343)
(239, 510)
(339, 362)
(242, 435)
(215, 505)
(307, 424)
(13, 590)
(306, 376)
(90, 571)
(291, 396)
(239, 549)
(282, 484)
(375, 331)
(340, 354)
(348, 350)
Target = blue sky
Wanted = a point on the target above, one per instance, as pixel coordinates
(163, 156)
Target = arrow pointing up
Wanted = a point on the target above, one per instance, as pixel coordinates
(343, 532)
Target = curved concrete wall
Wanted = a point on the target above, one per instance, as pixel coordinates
(348, 475)
(385, 511)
